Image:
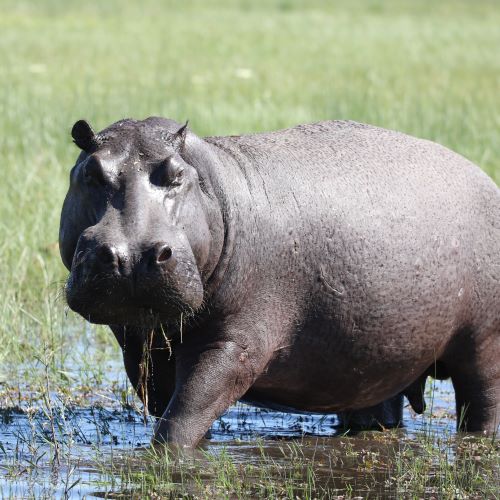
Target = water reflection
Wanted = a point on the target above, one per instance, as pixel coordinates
(52, 453)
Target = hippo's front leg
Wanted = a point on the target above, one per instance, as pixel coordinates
(209, 379)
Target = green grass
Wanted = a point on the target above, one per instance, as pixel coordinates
(233, 66)
(427, 68)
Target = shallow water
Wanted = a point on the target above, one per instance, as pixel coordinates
(62, 450)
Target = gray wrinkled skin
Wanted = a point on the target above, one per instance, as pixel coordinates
(327, 268)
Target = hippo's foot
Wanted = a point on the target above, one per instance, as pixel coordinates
(385, 415)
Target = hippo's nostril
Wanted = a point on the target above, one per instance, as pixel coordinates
(164, 253)
(107, 255)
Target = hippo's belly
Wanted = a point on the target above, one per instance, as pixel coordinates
(353, 354)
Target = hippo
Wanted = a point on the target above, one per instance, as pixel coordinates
(329, 267)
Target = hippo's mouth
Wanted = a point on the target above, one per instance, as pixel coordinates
(145, 317)
(115, 305)
(132, 314)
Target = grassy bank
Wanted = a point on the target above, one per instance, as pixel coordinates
(229, 67)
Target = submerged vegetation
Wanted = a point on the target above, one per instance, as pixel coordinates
(59, 449)
(69, 423)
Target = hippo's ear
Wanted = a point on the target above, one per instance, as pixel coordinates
(83, 136)
(179, 137)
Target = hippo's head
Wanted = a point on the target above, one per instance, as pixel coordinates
(140, 231)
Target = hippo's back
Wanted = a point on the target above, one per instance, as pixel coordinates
(339, 152)
(362, 175)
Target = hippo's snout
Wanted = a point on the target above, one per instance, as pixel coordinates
(120, 283)
(115, 259)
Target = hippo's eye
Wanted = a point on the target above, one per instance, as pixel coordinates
(93, 173)
(175, 178)
(168, 174)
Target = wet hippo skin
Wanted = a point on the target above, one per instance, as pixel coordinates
(329, 267)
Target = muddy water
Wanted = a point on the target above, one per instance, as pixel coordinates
(63, 450)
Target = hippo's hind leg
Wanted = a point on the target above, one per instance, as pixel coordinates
(474, 366)
(384, 415)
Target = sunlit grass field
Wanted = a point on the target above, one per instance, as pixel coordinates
(431, 69)
(426, 68)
